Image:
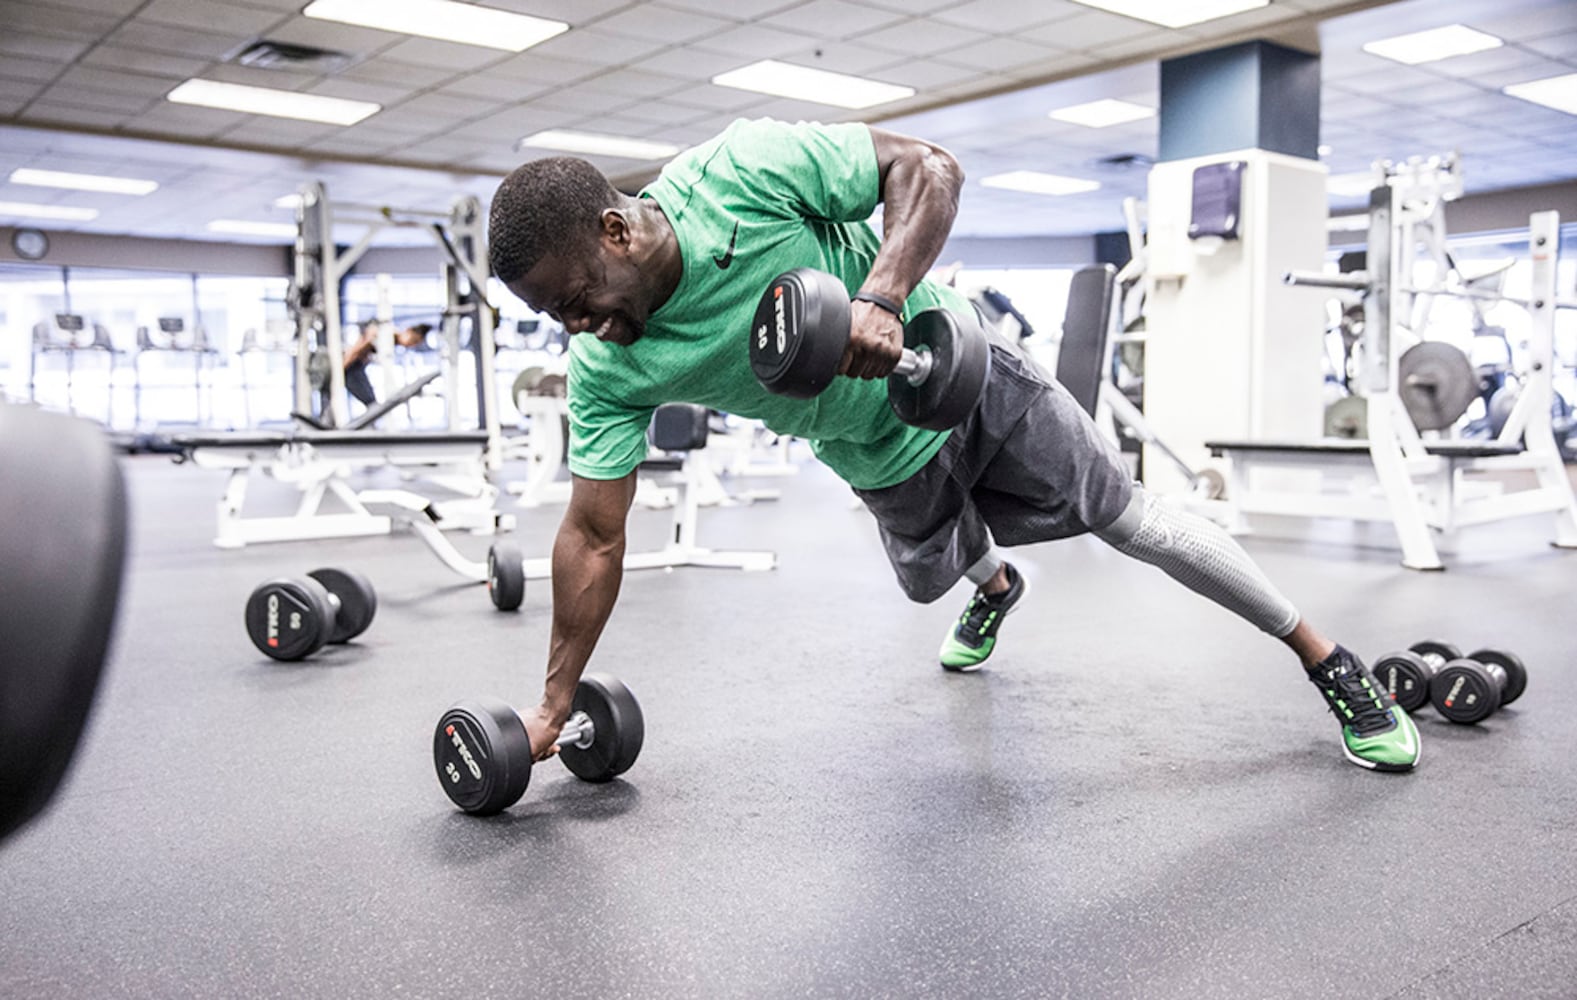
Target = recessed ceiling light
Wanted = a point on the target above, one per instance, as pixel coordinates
(465, 23)
(267, 101)
(242, 227)
(1099, 114)
(1436, 43)
(1039, 183)
(1175, 13)
(593, 144)
(82, 182)
(64, 212)
(1558, 92)
(819, 86)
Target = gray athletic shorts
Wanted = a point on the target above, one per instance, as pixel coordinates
(1028, 465)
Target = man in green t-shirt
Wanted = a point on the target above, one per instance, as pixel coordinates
(666, 285)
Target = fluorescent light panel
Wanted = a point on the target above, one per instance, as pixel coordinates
(82, 182)
(267, 101)
(242, 227)
(1174, 13)
(594, 144)
(1039, 183)
(818, 86)
(1558, 92)
(1100, 114)
(465, 23)
(1436, 43)
(63, 212)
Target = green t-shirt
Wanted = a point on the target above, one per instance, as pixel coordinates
(755, 201)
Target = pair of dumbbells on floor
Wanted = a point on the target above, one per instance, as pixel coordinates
(290, 618)
(1464, 689)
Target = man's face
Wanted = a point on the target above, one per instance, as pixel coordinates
(595, 290)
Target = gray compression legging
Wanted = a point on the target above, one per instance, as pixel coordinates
(1201, 556)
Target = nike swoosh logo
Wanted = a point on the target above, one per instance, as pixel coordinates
(1409, 746)
(727, 258)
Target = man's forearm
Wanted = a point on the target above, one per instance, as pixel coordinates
(586, 578)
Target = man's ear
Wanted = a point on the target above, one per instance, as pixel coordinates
(615, 228)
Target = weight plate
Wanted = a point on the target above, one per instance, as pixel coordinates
(1348, 418)
(289, 618)
(1405, 676)
(620, 729)
(358, 602)
(1437, 384)
(526, 384)
(506, 576)
(318, 370)
(1465, 692)
(799, 332)
(960, 363)
(1516, 673)
(1436, 653)
(482, 755)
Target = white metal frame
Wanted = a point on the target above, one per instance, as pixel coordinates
(1422, 489)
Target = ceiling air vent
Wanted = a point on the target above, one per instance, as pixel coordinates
(264, 54)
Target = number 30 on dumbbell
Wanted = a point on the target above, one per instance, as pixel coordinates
(801, 330)
(483, 754)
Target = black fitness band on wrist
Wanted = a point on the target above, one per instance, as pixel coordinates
(881, 301)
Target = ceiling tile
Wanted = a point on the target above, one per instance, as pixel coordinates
(178, 41)
(1562, 46)
(388, 71)
(1091, 30)
(123, 102)
(116, 57)
(687, 61)
(834, 19)
(67, 114)
(212, 15)
(121, 83)
(360, 90)
(535, 67)
(26, 90)
(487, 90)
(913, 6)
(580, 98)
(1007, 17)
(37, 46)
(1537, 68)
(38, 70)
(512, 124)
(251, 76)
(922, 37)
(112, 8)
(57, 21)
(751, 42)
(445, 55)
(662, 24)
(842, 57)
(281, 132)
(445, 109)
(1001, 55)
(1516, 22)
(738, 10)
(714, 98)
(184, 120)
(591, 47)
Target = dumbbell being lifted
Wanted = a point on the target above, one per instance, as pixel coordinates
(293, 617)
(482, 752)
(801, 329)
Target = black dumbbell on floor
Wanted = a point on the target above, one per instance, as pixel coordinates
(801, 330)
(1406, 675)
(483, 755)
(506, 576)
(294, 617)
(1473, 688)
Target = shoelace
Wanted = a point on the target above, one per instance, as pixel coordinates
(975, 616)
(1368, 714)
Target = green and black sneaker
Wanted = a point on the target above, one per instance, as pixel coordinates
(974, 637)
(1376, 733)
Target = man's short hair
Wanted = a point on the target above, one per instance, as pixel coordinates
(547, 206)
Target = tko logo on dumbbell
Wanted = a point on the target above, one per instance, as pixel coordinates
(325, 606)
(465, 755)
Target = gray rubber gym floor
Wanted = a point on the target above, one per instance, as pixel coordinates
(1141, 797)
